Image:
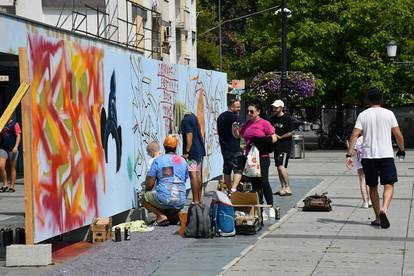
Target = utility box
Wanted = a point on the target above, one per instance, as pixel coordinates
(248, 212)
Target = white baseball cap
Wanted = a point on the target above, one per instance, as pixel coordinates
(278, 103)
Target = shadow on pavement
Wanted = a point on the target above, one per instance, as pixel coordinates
(340, 221)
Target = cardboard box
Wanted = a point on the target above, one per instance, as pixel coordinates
(101, 229)
(248, 203)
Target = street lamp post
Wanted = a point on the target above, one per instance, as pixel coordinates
(392, 55)
(392, 49)
(220, 38)
(284, 79)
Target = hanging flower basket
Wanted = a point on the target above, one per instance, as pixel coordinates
(300, 85)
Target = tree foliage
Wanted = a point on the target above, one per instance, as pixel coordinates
(342, 42)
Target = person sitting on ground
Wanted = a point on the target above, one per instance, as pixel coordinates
(165, 184)
(153, 151)
(9, 149)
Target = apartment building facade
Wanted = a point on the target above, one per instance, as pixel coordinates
(159, 29)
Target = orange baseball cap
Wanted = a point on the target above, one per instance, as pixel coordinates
(170, 142)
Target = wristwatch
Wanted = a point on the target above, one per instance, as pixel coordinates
(348, 155)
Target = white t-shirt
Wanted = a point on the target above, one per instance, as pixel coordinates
(358, 150)
(150, 161)
(376, 124)
(358, 147)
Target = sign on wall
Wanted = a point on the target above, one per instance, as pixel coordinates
(238, 87)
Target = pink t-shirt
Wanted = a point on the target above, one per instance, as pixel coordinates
(259, 128)
(17, 128)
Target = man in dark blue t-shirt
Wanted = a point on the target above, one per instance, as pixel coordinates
(227, 122)
(193, 152)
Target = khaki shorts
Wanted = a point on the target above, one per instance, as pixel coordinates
(150, 197)
(8, 155)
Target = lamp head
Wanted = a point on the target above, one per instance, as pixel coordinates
(392, 49)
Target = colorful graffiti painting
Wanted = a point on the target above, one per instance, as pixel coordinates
(67, 86)
(167, 78)
(94, 108)
(147, 125)
(109, 125)
(204, 97)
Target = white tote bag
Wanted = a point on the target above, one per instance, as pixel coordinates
(252, 167)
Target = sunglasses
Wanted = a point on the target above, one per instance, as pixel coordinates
(250, 111)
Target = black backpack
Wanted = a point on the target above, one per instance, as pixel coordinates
(198, 222)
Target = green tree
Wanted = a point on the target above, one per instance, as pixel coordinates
(342, 42)
(207, 43)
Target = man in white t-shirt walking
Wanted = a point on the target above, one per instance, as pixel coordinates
(376, 125)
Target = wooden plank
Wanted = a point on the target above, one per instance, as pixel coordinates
(27, 148)
(24, 86)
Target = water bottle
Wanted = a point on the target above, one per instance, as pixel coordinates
(277, 211)
(127, 236)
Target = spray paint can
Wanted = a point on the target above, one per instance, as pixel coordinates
(19, 236)
(277, 211)
(118, 237)
(8, 237)
(127, 236)
(2, 236)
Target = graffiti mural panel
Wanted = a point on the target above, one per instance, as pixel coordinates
(94, 109)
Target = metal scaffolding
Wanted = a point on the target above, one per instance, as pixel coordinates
(109, 20)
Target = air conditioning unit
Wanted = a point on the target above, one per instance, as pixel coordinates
(168, 31)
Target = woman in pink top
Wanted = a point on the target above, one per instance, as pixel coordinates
(258, 127)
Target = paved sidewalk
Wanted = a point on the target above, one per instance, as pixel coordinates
(341, 242)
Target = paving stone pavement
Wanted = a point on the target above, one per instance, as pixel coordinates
(341, 242)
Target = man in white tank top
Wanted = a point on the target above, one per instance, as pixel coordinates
(376, 125)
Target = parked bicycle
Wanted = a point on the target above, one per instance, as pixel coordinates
(335, 137)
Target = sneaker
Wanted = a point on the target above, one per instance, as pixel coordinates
(265, 216)
(272, 213)
(365, 205)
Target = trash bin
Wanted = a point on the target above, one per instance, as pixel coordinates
(298, 147)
